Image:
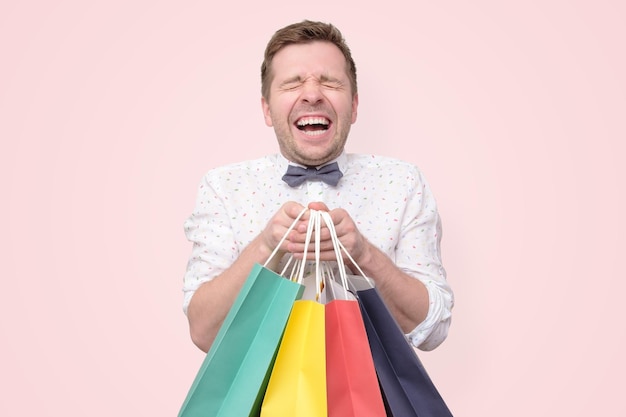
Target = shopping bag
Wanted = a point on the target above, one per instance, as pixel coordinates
(297, 385)
(407, 388)
(233, 376)
(352, 385)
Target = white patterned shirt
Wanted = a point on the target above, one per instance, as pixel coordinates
(389, 200)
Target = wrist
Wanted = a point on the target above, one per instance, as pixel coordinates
(365, 258)
(374, 263)
(258, 250)
(263, 251)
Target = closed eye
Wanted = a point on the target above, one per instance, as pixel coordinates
(330, 82)
(291, 84)
(333, 85)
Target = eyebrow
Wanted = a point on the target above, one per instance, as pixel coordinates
(291, 80)
(325, 78)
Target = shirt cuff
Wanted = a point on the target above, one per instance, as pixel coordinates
(434, 329)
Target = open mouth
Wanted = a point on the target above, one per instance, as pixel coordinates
(313, 125)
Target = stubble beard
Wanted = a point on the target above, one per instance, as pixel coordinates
(311, 157)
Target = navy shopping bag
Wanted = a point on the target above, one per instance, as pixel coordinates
(407, 388)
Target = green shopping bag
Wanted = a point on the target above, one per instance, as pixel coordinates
(235, 372)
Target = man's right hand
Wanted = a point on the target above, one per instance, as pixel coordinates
(278, 225)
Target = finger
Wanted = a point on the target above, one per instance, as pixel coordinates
(303, 226)
(299, 234)
(344, 225)
(324, 256)
(318, 205)
(339, 215)
(293, 209)
(299, 246)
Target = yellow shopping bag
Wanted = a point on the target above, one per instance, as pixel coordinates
(297, 385)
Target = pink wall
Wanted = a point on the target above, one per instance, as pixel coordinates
(110, 112)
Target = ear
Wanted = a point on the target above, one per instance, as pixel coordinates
(355, 105)
(266, 112)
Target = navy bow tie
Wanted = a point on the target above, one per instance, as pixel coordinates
(330, 174)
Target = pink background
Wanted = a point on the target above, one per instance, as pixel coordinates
(110, 113)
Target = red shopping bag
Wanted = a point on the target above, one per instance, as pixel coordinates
(351, 381)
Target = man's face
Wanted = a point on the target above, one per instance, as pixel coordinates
(310, 104)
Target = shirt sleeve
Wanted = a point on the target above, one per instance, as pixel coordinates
(419, 254)
(209, 229)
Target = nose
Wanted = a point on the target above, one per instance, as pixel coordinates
(312, 92)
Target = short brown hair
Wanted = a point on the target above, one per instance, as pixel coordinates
(305, 32)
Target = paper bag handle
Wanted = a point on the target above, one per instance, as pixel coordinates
(285, 236)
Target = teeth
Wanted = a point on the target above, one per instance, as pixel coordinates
(314, 132)
(313, 121)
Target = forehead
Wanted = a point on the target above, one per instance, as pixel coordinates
(309, 59)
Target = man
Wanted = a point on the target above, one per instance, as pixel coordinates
(382, 208)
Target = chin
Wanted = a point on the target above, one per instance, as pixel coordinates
(316, 160)
(311, 155)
